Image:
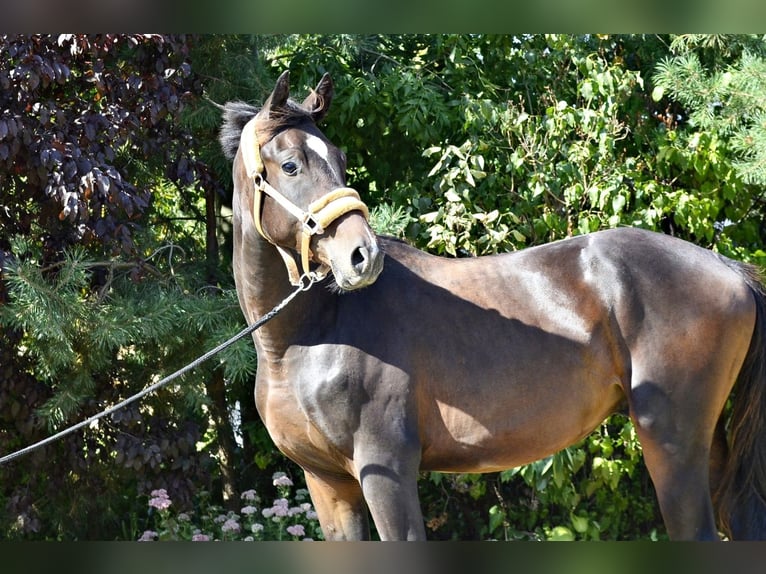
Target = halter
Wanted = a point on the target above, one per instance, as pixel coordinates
(320, 214)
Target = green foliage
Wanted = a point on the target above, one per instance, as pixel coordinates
(110, 343)
(121, 287)
(718, 161)
(387, 219)
(522, 178)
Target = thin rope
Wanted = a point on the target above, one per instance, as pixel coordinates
(151, 388)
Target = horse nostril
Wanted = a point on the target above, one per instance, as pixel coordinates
(359, 258)
(364, 265)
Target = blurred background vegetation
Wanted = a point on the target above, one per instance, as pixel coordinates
(115, 240)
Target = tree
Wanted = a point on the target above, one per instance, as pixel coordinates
(103, 202)
(719, 81)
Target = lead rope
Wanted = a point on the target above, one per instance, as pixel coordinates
(305, 284)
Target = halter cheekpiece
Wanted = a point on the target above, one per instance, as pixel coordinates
(320, 214)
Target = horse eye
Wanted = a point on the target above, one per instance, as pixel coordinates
(289, 168)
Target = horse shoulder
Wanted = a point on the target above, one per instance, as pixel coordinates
(293, 409)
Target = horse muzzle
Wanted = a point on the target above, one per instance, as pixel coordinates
(353, 254)
(359, 265)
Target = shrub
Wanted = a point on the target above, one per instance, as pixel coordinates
(290, 517)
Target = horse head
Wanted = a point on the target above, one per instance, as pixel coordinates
(302, 204)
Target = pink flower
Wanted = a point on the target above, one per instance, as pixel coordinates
(148, 536)
(248, 510)
(160, 503)
(160, 499)
(279, 509)
(281, 479)
(296, 530)
(200, 538)
(249, 495)
(230, 525)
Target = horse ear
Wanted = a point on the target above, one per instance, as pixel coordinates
(281, 92)
(318, 102)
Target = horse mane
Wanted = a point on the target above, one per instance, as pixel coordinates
(236, 115)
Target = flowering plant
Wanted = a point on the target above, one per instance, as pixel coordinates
(283, 520)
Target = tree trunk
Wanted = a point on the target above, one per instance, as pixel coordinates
(211, 236)
(227, 445)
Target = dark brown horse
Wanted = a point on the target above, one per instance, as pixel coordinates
(477, 365)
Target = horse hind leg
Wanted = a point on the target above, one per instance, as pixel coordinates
(676, 445)
(340, 506)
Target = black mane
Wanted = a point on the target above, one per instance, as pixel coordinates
(237, 114)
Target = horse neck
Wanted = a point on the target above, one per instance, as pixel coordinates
(262, 283)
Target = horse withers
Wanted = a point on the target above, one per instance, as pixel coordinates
(400, 361)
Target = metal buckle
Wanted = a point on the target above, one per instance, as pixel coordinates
(259, 182)
(310, 225)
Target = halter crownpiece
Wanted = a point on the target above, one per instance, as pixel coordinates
(320, 214)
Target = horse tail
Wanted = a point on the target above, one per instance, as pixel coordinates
(235, 117)
(741, 496)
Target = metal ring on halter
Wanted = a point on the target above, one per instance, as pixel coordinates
(306, 280)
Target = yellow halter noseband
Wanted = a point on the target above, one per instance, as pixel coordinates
(314, 221)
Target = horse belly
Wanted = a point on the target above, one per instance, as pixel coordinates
(504, 423)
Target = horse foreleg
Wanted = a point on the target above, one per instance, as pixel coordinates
(340, 506)
(391, 491)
